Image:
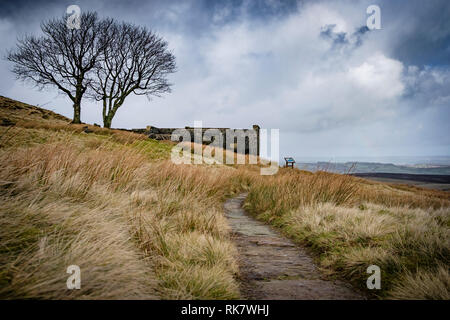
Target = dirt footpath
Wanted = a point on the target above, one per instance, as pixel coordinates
(273, 267)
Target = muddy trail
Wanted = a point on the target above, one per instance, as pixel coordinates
(273, 267)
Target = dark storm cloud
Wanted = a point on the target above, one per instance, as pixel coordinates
(343, 39)
(336, 37)
(310, 68)
(428, 85)
(420, 30)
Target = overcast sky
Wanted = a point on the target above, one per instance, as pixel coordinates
(309, 68)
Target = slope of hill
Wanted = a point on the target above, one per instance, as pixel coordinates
(110, 202)
(12, 111)
(140, 226)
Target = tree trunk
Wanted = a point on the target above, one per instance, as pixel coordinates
(107, 117)
(77, 100)
(76, 112)
(105, 106)
(107, 121)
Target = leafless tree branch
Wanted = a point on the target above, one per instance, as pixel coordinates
(135, 61)
(62, 57)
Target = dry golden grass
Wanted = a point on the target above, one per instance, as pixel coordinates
(423, 285)
(351, 223)
(137, 229)
(16, 111)
(137, 225)
(61, 206)
(401, 195)
(140, 226)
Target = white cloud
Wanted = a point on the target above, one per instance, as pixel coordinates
(282, 74)
(278, 72)
(379, 76)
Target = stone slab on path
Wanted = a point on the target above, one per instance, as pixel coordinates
(273, 267)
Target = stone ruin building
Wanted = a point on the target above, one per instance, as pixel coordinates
(229, 142)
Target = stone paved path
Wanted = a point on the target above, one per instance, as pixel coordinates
(272, 267)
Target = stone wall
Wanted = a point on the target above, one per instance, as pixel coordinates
(232, 135)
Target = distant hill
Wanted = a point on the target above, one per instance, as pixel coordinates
(374, 167)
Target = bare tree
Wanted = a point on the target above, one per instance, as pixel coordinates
(62, 57)
(135, 61)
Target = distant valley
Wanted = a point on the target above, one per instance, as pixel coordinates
(376, 167)
(432, 176)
